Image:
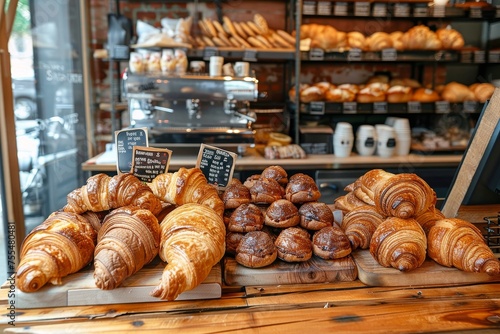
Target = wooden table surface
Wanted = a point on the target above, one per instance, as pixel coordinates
(338, 307)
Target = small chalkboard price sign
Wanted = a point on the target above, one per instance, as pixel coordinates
(125, 141)
(216, 164)
(148, 162)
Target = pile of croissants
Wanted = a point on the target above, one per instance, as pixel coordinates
(121, 224)
(272, 216)
(394, 216)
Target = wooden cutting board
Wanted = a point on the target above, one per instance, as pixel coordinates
(430, 273)
(79, 289)
(316, 270)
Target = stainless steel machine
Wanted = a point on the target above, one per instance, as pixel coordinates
(192, 109)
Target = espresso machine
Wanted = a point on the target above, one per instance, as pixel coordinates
(191, 109)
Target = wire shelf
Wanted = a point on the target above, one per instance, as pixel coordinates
(492, 233)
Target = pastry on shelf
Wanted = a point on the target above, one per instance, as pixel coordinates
(277, 173)
(399, 94)
(246, 218)
(301, 188)
(482, 91)
(256, 250)
(339, 95)
(235, 195)
(359, 224)
(266, 191)
(451, 39)
(331, 243)
(378, 41)
(425, 95)
(420, 37)
(455, 92)
(315, 215)
(356, 40)
(294, 245)
(282, 214)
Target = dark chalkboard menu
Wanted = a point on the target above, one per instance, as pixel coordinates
(125, 141)
(216, 164)
(148, 162)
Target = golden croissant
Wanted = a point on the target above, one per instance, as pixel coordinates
(428, 218)
(192, 242)
(404, 195)
(187, 185)
(128, 239)
(360, 224)
(103, 192)
(63, 244)
(399, 243)
(454, 242)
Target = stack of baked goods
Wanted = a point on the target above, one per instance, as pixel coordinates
(400, 90)
(119, 224)
(255, 33)
(276, 216)
(395, 217)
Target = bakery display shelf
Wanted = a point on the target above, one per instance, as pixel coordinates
(253, 54)
(419, 148)
(412, 107)
(392, 55)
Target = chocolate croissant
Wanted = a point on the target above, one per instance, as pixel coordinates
(454, 242)
(192, 242)
(103, 192)
(399, 243)
(63, 244)
(360, 224)
(128, 239)
(187, 185)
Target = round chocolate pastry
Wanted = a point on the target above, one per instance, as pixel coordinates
(315, 215)
(246, 218)
(249, 182)
(301, 188)
(282, 213)
(235, 195)
(331, 243)
(232, 241)
(266, 191)
(277, 173)
(294, 245)
(255, 250)
(234, 181)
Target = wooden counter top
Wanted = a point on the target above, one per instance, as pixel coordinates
(255, 161)
(338, 307)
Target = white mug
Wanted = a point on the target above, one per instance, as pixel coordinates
(242, 69)
(216, 63)
(227, 69)
(197, 66)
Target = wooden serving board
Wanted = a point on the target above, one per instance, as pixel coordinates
(316, 270)
(79, 289)
(430, 273)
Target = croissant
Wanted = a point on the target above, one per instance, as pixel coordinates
(402, 195)
(192, 242)
(399, 243)
(429, 218)
(63, 244)
(103, 192)
(360, 224)
(454, 242)
(128, 239)
(187, 185)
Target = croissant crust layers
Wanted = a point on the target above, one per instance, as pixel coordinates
(128, 239)
(192, 242)
(63, 244)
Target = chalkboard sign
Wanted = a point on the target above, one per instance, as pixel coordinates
(125, 141)
(148, 162)
(216, 164)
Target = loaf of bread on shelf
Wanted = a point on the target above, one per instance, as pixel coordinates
(339, 95)
(454, 242)
(187, 185)
(63, 244)
(455, 92)
(378, 41)
(374, 92)
(312, 94)
(451, 39)
(482, 91)
(359, 224)
(103, 192)
(399, 94)
(128, 239)
(399, 243)
(256, 250)
(192, 243)
(420, 37)
(425, 95)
